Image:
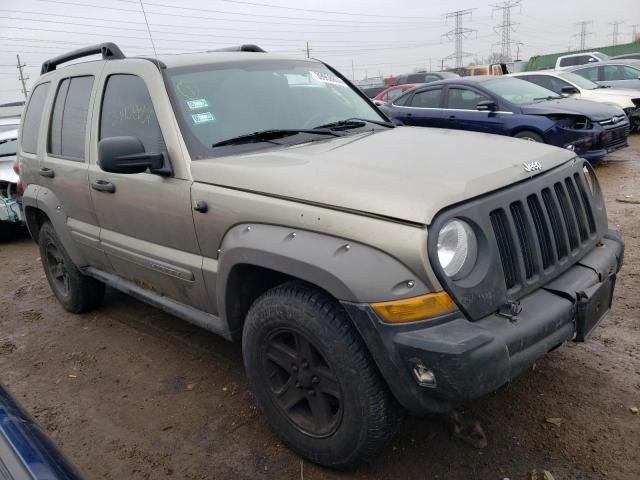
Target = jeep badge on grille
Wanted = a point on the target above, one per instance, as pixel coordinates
(532, 166)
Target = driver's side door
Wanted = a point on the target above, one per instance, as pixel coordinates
(146, 220)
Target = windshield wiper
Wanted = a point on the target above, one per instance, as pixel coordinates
(355, 122)
(603, 86)
(269, 135)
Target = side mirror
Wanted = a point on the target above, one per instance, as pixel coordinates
(379, 103)
(569, 90)
(487, 106)
(127, 155)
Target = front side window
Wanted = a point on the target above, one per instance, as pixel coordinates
(630, 73)
(393, 94)
(427, 99)
(612, 72)
(32, 117)
(215, 103)
(127, 111)
(67, 131)
(464, 99)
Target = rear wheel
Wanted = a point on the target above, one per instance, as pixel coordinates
(76, 292)
(529, 135)
(314, 379)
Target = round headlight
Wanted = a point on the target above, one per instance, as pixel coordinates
(457, 248)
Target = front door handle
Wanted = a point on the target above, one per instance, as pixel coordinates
(103, 186)
(47, 172)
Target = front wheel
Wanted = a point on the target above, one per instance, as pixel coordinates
(530, 136)
(314, 379)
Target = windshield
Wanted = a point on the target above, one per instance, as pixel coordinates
(581, 82)
(218, 102)
(8, 147)
(518, 91)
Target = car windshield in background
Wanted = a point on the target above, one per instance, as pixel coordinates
(518, 91)
(8, 147)
(581, 82)
(219, 102)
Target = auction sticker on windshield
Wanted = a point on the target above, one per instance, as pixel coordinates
(326, 77)
(205, 117)
(197, 104)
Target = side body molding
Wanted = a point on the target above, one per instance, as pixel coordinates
(350, 271)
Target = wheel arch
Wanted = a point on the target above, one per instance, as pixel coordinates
(255, 258)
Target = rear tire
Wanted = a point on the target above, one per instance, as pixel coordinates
(530, 136)
(76, 292)
(314, 379)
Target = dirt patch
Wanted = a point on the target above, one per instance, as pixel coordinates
(129, 392)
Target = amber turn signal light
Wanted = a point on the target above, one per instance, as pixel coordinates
(415, 308)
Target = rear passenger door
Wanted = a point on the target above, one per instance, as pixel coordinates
(146, 219)
(422, 109)
(64, 163)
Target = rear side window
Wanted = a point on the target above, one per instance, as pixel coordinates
(427, 99)
(68, 129)
(127, 111)
(32, 117)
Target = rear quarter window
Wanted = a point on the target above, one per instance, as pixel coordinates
(32, 118)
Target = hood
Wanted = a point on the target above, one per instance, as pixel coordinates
(616, 95)
(595, 111)
(404, 173)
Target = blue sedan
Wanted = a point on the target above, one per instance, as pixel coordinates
(516, 108)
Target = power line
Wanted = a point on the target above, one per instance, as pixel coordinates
(23, 80)
(121, 21)
(583, 34)
(506, 27)
(256, 4)
(616, 31)
(458, 33)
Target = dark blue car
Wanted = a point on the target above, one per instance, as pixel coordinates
(516, 108)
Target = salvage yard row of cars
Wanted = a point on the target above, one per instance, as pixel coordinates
(268, 200)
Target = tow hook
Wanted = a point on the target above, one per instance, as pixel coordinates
(510, 310)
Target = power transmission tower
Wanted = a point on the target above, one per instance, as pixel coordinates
(634, 32)
(583, 34)
(616, 31)
(506, 27)
(308, 51)
(458, 33)
(23, 79)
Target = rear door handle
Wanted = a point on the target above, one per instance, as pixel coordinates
(103, 186)
(47, 172)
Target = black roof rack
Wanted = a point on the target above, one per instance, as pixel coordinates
(240, 48)
(108, 50)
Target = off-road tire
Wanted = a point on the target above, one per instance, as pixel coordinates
(77, 293)
(370, 415)
(529, 135)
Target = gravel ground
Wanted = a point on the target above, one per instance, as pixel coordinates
(128, 392)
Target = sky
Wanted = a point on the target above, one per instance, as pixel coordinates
(360, 38)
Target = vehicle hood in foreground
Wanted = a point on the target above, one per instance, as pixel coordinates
(405, 173)
(595, 111)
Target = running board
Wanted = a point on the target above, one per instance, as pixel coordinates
(192, 315)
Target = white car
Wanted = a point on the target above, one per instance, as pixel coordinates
(584, 58)
(568, 83)
(10, 210)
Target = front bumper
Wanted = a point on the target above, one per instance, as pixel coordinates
(592, 144)
(470, 359)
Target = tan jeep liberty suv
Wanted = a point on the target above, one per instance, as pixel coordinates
(367, 270)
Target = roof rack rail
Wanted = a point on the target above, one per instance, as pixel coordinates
(108, 51)
(248, 47)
